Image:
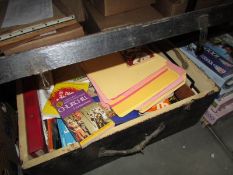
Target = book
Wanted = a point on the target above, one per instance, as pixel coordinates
(60, 91)
(56, 136)
(159, 105)
(183, 92)
(107, 71)
(155, 91)
(85, 118)
(214, 65)
(65, 135)
(221, 102)
(212, 115)
(114, 117)
(223, 46)
(35, 136)
(50, 134)
(137, 55)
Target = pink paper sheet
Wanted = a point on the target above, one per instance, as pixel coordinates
(107, 102)
(130, 91)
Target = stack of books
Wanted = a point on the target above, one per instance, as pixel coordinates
(65, 113)
(217, 62)
(133, 80)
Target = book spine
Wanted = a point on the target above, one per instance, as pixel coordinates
(36, 142)
(50, 134)
(56, 137)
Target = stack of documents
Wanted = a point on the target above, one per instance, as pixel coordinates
(126, 88)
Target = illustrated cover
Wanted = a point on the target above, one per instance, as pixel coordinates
(212, 60)
(159, 106)
(114, 117)
(166, 102)
(65, 135)
(213, 65)
(137, 55)
(60, 91)
(223, 46)
(85, 118)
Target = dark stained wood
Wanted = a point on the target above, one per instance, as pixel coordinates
(78, 162)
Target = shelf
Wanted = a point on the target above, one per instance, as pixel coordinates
(66, 53)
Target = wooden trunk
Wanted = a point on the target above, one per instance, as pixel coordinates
(176, 117)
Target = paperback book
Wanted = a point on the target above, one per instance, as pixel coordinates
(214, 65)
(65, 135)
(85, 118)
(137, 55)
(60, 91)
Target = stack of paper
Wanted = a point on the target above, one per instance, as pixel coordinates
(127, 88)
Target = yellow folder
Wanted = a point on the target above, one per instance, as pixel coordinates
(114, 77)
(144, 94)
(167, 94)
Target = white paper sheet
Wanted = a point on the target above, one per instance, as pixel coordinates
(27, 11)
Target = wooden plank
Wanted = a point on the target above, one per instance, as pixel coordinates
(79, 162)
(22, 126)
(36, 33)
(47, 157)
(63, 34)
(91, 46)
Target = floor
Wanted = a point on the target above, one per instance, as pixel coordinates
(192, 151)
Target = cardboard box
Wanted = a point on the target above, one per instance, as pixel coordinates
(69, 7)
(112, 7)
(209, 3)
(103, 23)
(171, 7)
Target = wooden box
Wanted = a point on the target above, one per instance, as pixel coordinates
(75, 160)
(171, 7)
(200, 4)
(113, 7)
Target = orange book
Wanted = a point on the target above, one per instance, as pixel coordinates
(50, 134)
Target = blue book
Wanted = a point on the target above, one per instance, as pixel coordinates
(65, 135)
(214, 65)
(119, 120)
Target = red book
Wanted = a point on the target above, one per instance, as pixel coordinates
(35, 137)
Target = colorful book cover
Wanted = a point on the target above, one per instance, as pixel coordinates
(213, 65)
(85, 118)
(212, 60)
(65, 135)
(223, 46)
(115, 118)
(159, 106)
(60, 91)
